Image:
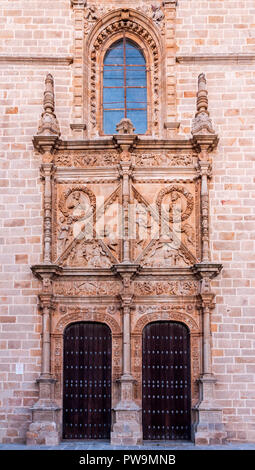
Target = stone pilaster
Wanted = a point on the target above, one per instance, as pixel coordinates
(208, 428)
(44, 428)
(127, 417)
(78, 125)
(125, 142)
(47, 172)
(170, 125)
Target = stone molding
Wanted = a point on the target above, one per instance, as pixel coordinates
(109, 28)
(216, 58)
(27, 60)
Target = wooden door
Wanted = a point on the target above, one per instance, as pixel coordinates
(87, 381)
(166, 381)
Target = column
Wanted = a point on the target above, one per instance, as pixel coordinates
(127, 419)
(45, 426)
(47, 170)
(204, 167)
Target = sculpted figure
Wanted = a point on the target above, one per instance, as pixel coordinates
(64, 232)
(157, 15)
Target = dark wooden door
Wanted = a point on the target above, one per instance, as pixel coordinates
(87, 381)
(166, 381)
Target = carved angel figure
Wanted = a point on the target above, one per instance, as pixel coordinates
(64, 232)
(157, 15)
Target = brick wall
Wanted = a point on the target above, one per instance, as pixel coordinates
(210, 28)
(46, 32)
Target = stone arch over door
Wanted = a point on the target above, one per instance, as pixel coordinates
(142, 31)
(87, 381)
(166, 391)
(195, 347)
(57, 345)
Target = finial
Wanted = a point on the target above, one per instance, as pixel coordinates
(48, 124)
(202, 124)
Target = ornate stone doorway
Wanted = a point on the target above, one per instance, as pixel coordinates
(166, 381)
(87, 381)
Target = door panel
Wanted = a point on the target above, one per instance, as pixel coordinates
(87, 381)
(166, 381)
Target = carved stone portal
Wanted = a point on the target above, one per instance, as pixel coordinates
(126, 243)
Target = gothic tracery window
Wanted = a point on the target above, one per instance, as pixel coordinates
(124, 86)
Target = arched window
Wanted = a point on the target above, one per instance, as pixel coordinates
(124, 86)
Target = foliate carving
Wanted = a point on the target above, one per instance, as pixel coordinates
(87, 314)
(125, 24)
(165, 313)
(165, 288)
(180, 159)
(88, 288)
(88, 159)
(48, 124)
(107, 159)
(176, 193)
(162, 159)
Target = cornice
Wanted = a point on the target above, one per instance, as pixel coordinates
(26, 60)
(216, 58)
(106, 173)
(142, 144)
(164, 173)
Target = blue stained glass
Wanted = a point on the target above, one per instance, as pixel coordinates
(136, 76)
(134, 55)
(120, 73)
(111, 119)
(115, 55)
(113, 76)
(114, 95)
(138, 95)
(139, 119)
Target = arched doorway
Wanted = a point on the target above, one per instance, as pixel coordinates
(166, 381)
(87, 381)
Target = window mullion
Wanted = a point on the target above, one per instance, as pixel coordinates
(125, 78)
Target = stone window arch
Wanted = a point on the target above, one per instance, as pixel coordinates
(141, 31)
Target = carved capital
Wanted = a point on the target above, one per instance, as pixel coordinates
(46, 302)
(206, 270)
(202, 143)
(46, 270)
(46, 144)
(78, 3)
(170, 3)
(207, 300)
(125, 142)
(125, 168)
(126, 303)
(47, 169)
(205, 168)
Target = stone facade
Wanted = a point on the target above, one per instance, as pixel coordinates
(62, 180)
